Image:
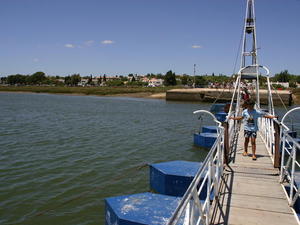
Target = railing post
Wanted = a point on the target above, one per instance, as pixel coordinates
(226, 142)
(293, 152)
(282, 172)
(277, 155)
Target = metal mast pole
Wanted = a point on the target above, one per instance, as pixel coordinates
(249, 50)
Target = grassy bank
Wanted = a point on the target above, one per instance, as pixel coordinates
(84, 90)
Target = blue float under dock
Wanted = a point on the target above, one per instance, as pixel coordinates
(172, 178)
(140, 209)
(293, 134)
(209, 129)
(221, 116)
(205, 140)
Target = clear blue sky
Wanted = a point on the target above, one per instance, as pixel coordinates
(62, 37)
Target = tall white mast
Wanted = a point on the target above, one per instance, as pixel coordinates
(249, 50)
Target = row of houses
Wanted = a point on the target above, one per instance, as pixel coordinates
(99, 81)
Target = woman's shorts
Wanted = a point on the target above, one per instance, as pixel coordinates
(249, 134)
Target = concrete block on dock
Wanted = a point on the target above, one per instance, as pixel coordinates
(140, 209)
(172, 178)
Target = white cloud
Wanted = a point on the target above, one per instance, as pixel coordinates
(89, 43)
(107, 42)
(36, 60)
(69, 46)
(196, 46)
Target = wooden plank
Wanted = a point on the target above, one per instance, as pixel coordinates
(257, 203)
(246, 216)
(256, 180)
(244, 163)
(251, 193)
(258, 188)
(255, 170)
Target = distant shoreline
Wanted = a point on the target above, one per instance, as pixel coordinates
(132, 92)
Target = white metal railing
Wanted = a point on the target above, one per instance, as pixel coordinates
(288, 149)
(289, 162)
(266, 128)
(191, 210)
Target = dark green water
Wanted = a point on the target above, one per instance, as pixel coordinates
(62, 155)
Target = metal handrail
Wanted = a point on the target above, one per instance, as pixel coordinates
(209, 113)
(289, 162)
(267, 132)
(209, 176)
(288, 148)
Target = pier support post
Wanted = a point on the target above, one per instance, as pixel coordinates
(277, 156)
(226, 143)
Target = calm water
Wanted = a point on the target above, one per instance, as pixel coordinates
(62, 155)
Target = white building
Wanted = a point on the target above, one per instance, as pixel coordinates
(83, 82)
(155, 82)
(284, 84)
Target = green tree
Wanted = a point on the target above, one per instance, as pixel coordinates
(99, 80)
(184, 80)
(283, 76)
(170, 78)
(292, 84)
(90, 80)
(114, 83)
(136, 83)
(4, 80)
(38, 78)
(16, 79)
(68, 80)
(200, 81)
(262, 81)
(123, 78)
(159, 76)
(75, 79)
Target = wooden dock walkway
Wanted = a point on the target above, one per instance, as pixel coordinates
(250, 192)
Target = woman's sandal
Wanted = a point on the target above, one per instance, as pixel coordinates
(254, 157)
(245, 153)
